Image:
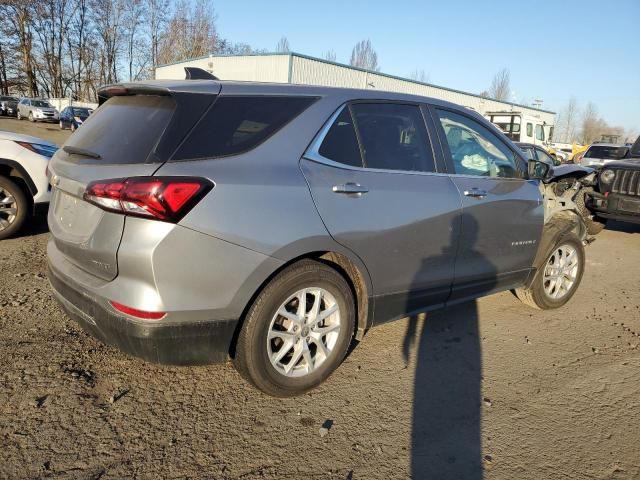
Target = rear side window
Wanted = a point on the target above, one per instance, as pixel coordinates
(235, 125)
(393, 137)
(125, 129)
(529, 129)
(341, 144)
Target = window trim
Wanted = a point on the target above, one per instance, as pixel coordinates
(446, 152)
(313, 151)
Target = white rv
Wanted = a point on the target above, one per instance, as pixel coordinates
(522, 127)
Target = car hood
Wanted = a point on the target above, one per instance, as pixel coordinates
(16, 137)
(563, 170)
(631, 163)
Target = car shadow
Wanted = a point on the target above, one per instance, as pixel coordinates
(35, 225)
(446, 437)
(623, 227)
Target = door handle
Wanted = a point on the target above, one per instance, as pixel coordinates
(350, 188)
(475, 192)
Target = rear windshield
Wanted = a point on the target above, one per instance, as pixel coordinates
(125, 129)
(611, 153)
(80, 112)
(237, 124)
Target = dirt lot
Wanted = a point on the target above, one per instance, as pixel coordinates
(48, 131)
(489, 390)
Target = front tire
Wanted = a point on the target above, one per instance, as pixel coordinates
(31, 119)
(557, 280)
(13, 208)
(61, 125)
(297, 331)
(19, 115)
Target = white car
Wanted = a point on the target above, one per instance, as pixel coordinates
(24, 187)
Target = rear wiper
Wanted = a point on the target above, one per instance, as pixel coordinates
(80, 151)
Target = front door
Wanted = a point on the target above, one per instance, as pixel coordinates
(373, 179)
(502, 211)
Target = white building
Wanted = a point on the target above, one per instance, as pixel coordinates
(302, 69)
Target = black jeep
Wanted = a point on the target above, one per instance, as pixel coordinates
(619, 189)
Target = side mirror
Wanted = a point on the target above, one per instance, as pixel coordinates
(538, 169)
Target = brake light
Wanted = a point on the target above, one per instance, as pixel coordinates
(134, 312)
(161, 198)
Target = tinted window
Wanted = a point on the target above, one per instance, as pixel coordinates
(80, 112)
(529, 130)
(341, 144)
(609, 153)
(125, 129)
(393, 137)
(539, 133)
(237, 124)
(475, 150)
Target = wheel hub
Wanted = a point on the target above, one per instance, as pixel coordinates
(303, 332)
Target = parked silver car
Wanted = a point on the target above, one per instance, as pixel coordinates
(599, 154)
(37, 110)
(195, 220)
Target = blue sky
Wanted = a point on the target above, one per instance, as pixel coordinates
(553, 49)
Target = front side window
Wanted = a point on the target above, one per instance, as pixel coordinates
(539, 133)
(341, 143)
(235, 125)
(475, 150)
(529, 130)
(393, 137)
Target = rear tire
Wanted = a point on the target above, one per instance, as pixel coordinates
(270, 342)
(557, 280)
(73, 127)
(13, 208)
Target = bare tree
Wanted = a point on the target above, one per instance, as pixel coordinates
(500, 88)
(283, 46)
(191, 32)
(364, 56)
(19, 15)
(591, 124)
(329, 55)
(567, 121)
(133, 15)
(157, 13)
(419, 76)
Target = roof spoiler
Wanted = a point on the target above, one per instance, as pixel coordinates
(194, 73)
(108, 91)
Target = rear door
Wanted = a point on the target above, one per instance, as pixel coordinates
(374, 181)
(502, 211)
(127, 136)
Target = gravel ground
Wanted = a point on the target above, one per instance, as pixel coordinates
(489, 389)
(48, 131)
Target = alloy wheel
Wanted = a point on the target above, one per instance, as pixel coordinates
(561, 272)
(304, 332)
(8, 209)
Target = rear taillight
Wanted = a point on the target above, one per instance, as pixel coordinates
(134, 312)
(161, 198)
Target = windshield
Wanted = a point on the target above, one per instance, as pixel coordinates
(612, 153)
(80, 112)
(40, 103)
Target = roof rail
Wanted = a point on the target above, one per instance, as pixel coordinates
(194, 73)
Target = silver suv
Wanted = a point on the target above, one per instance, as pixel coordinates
(196, 220)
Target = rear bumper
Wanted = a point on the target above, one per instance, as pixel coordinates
(177, 343)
